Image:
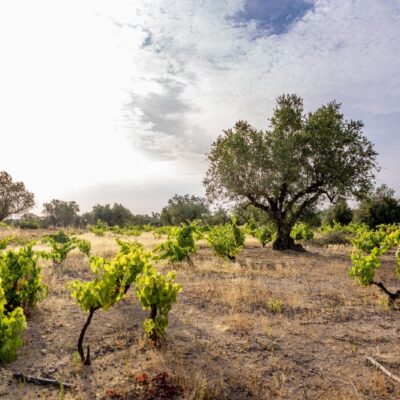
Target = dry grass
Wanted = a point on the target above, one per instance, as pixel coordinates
(270, 326)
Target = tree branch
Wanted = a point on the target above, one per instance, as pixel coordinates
(305, 204)
(314, 187)
(261, 206)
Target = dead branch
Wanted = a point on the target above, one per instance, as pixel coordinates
(383, 369)
(40, 381)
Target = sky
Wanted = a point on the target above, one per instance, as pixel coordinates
(119, 101)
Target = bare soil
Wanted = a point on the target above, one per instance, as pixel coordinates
(272, 325)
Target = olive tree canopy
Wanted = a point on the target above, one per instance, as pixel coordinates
(14, 198)
(61, 213)
(299, 160)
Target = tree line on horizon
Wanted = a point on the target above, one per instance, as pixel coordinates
(380, 207)
(283, 175)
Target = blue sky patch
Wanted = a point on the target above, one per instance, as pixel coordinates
(274, 16)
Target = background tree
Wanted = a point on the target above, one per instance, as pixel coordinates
(145, 219)
(29, 221)
(115, 215)
(297, 162)
(14, 198)
(246, 212)
(381, 207)
(339, 212)
(184, 209)
(216, 217)
(61, 213)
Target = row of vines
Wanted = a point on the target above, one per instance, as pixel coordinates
(21, 286)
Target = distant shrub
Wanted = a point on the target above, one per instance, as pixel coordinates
(302, 231)
(226, 240)
(100, 228)
(331, 238)
(275, 305)
(5, 242)
(263, 234)
(61, 244)
(28, 224)
(179, 245)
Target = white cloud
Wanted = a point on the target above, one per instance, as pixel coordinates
(94, 92)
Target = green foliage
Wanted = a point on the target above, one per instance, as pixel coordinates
(61, 213)
(111, 278)
(339, 213)
(5, 242)
(366, 240)
(184, 209)
(275, 305)
(366, 256)
(100, 228)
(226, 240)
(28, 224)
(302, 231)
(298, 161)
(157, 293)
(263, 234)
(61, 244)
(163, 230)
(20, 274)
(12, 324)
(111, 216)
(179, 244)
(380, 208)
(247, 213)
(128, 231)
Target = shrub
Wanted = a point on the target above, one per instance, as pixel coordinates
(226, 240)
(302, 231)
(331, 238)
(99, 229)
(112, 279)
(179, 245)
(156, 293)
(263, 234)
(366, 257)
(5, 242)
(20, 274)
(61, 244)
(12, 325)
(28, 224)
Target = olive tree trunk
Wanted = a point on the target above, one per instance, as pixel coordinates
(283, 239)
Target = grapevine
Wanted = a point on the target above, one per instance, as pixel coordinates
(179, 244)
(112, 279)
(20, 273)
(156, 293)
(61, 244)
(302, 231)
(370, 246)
(12, 324)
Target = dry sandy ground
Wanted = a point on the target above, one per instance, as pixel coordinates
(272, 325)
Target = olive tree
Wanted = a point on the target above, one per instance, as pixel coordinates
(184, 209)
(299, 161)
(61, 213)
(14, 198)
